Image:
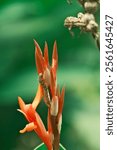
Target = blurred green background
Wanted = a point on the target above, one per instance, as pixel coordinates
(22, 21)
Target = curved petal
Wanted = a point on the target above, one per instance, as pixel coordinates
(22, 113)
(29, 127)
(38, 48)
(21, 104)
(39, 63)
(38, 97)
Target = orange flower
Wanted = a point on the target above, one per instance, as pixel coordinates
(52, 96)
(48, 75)
(54, 100)
(35, 122)
(42, 62)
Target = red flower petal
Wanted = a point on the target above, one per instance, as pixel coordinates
(55, 58)
(38, 97)
(61, 102)
(40, 62)
(46, 54)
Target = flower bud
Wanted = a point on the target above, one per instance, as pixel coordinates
(54, 106)
(46, 76)
(59, 124)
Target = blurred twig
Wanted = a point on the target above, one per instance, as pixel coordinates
(86, 21)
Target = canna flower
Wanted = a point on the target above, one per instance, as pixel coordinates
(50, 92)
(35, 122)
(53, 99)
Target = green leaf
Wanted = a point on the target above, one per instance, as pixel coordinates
(43, 147)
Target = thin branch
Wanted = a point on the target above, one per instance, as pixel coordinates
(86, 21)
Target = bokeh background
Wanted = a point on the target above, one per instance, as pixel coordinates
(21, 21)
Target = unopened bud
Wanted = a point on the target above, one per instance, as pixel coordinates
(54, 106)
(46, 76)
(59, 124)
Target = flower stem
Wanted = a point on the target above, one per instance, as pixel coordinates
(56, 134)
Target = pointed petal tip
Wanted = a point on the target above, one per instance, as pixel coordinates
(20, 100)
(63, 92)
(46, 57)
(19, 110)
(46, 48)
(37, 47)
(39, 60)
(21, 103)
(46, 43)
(55, 57)
(55, 42)
(63, 88)
(35, 42)
(22, 131)
(19, 97)
(55, 45)
(29, 127)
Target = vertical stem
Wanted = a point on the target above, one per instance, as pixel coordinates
(56, 134)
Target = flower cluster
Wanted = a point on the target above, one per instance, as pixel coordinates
(53, 98)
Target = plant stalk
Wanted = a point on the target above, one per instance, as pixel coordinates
(56, 134)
